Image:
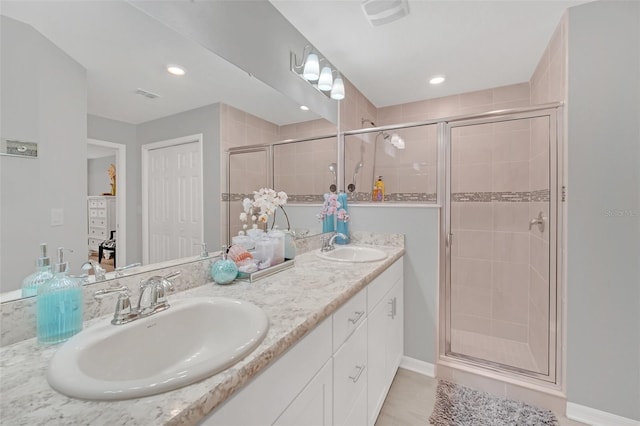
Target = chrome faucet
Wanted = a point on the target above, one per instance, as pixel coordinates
(153, 294)
(152, 299)
(328, 243)
(98, 271)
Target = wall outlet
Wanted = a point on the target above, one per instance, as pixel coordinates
(57, 217)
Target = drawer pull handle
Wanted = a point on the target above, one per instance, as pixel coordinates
(393, 304)
(355, 377)
(355, 319)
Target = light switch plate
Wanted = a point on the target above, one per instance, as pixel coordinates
(57, 217)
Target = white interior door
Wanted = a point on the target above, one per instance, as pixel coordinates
(174, 203)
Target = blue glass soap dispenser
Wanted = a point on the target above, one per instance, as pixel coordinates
(59, 305)
(43, 273)
(224, 270)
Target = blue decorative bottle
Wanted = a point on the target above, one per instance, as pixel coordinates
(224, 270)
(43, 273)
(328, 223)
(59, 305)
(342, 225)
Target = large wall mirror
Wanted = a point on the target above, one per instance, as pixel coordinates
(87, 82)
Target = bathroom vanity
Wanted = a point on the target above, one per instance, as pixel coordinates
(334, 343)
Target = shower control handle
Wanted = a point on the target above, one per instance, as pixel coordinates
(537, 221)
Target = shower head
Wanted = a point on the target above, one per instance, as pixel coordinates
(352, 185)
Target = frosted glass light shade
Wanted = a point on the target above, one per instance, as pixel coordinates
(337, 91)
(326, 79)
(311, 70)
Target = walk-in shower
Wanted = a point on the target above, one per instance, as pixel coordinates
(499, 229)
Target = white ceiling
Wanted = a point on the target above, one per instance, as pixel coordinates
(123, 49)
(476, 44)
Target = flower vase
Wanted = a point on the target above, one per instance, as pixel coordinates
(328, 224)
(343, 228)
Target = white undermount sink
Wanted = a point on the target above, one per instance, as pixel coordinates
(193, 339)
(353, 254)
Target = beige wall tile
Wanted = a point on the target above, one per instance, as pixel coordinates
(510, 295)
(478, 98)
(473, 301)
(511, 92)
(538, 290)
(512, 217)
(471, 272)
(474, 244)
(475, 216)
(473, 178)
(470, 323)
(511, 146)
(511, 247)
(510, 177)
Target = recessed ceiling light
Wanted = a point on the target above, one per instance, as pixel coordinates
(176, 70)
(304, 107)
(437, 79)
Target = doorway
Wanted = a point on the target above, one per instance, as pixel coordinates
(172, 208)
(100, 154)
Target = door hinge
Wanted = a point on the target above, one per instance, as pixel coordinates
(564, 193)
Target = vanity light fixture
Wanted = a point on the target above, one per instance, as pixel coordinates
(437, 79)
(176, 70)
(308, 68)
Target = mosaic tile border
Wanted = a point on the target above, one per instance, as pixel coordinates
(541, 195)
(398, 197)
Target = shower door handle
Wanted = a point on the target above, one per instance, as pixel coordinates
(538, 221)
(449, 239)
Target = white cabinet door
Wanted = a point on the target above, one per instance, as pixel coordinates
(396, 330)
(385, 347)
(314, 405)
(358, 415)
(377, 358)
(350, 375)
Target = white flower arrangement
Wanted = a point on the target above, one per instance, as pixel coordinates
(264, 204)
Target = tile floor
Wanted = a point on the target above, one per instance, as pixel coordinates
(411, 399)
(502, 351)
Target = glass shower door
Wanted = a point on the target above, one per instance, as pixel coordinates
(501, 286)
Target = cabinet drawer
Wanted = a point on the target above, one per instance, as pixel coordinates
(102, 212)
(93, 203)
(349, 374)
(383, 283)
(94, 243)
(99, 222)
(348, 318)
(98, 233)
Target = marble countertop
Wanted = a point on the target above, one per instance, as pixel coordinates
(296, 300)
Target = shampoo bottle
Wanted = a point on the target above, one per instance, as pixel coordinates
(379, 189)
(59, 305)
(43, 273)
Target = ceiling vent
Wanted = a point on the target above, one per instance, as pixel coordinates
(382, 12)
(146, 94)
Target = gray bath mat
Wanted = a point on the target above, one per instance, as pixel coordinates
(458, 405)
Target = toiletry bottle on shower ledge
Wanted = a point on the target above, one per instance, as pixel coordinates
(59, 305)
(379, 189)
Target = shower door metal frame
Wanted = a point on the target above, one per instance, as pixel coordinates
(556, 309)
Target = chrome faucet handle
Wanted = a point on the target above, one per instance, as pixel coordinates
(120, 270)
(98, 271)
(325, 243)
(123, 312)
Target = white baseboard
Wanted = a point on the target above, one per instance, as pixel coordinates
(594, 417)
(424, 368)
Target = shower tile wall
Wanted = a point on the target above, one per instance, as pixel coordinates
(421, 143)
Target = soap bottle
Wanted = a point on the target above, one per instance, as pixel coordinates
(59, 305)
(224, 270)
(43, 273)
(374, 192)
(379, 189)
